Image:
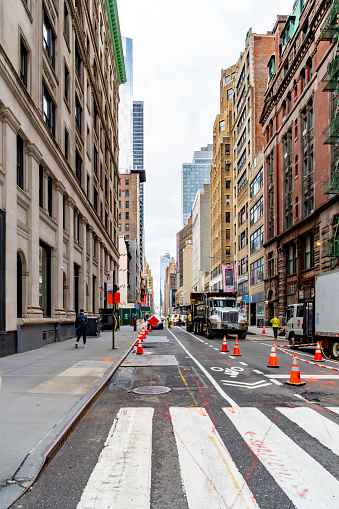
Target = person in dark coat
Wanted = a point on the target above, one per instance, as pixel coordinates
(81, 323)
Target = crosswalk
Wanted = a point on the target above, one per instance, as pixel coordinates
(210, 477)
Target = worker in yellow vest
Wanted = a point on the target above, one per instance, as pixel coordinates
(275, 324)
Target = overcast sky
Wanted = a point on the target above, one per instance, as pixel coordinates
(179, 49)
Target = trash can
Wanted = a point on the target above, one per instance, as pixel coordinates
(93, 327)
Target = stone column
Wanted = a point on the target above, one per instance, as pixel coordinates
(99, 282)
(83, 271)
(90, 270)
(70, 272)
(10, 127)
(33, 308)
(58, 283)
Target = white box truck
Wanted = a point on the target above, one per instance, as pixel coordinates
(318, 319)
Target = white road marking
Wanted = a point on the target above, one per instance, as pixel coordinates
(206, 373)
(231, 357)
(201, 340)
(245, 385)
(257, 371)
(210, 477)
(243, 363)
(300, 397)
(216, 348)
(122, 476)
(275, 381)
(334, 409)
(303, 479)
(315, 424)
(308, 377)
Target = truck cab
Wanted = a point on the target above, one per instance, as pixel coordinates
(294, 323)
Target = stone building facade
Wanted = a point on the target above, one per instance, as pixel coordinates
(221, 183)
(61, 65)
(201, 236)
(300, 217)
(248, 98)
(169, 286)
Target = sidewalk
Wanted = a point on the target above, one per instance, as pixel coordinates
(257, 331)
(41, 391)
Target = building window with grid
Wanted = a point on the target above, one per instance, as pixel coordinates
(244, 265)
(23, 63)
(222, 125)
(41, 186)
(78, 164)
(257, 240)
(126, 193)
(50, 196)
(127, 227)
(127, 215)
(78, 113)
(308, 248)
(228, 217)
(257, 211)
(242, 181)
(66, 83)
(257, 271)
(243, 288)
(66, 22)
(48, 109)
(242, 240)
(291, 266)
(126, 204)
(270, 264)
(78, 61)
(48, 37)
(20, 162)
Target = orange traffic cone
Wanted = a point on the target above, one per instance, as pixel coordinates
(224, 347)
(236, 350)
(139, 347)
(317, 356)
(295, 373)
(273, 361)
(263, 330)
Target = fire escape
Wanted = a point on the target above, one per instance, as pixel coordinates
(330, 32)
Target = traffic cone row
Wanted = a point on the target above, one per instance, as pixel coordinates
(140, 349)
(295, 373)
(236, 350)
(224, 347)
(318, 356)
(273, 361)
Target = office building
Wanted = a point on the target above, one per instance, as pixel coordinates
(201, 237)
(164, 261)
(193, 176)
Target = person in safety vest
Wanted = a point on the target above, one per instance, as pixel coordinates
(169, 321)
(275, 324)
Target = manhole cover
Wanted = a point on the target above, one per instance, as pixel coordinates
(158, 389)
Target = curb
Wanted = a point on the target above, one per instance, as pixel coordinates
(51, 450)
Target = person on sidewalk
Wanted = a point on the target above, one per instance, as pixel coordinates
(169, 321)
(275, 324)
(81, 323)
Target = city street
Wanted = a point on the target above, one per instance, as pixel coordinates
(229, 432)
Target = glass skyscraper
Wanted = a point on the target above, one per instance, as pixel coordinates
(193, 176)
(138, 164)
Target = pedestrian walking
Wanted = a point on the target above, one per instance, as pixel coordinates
(275, 324)
(169, 321)
(81, 323)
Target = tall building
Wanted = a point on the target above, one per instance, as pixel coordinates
(300, 155)
(138, 165)
(126, 110)
(193, 176)
(221, 183)
(184, 236)
(164, 261)
(169, 287)
(248, 99)
(59, 166)
(201, 236)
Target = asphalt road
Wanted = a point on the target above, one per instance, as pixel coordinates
(263, 433)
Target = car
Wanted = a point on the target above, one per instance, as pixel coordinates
(160, 324)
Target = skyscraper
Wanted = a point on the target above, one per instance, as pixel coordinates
(126, 110)
(193, 176)
(138, 164)
(164, 261)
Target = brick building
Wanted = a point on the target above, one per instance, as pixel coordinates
(300, 216)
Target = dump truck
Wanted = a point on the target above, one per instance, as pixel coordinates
(215, 313)
(317, 319)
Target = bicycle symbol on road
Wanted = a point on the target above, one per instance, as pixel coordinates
(232, 372)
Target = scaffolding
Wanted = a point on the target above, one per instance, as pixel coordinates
(330, 32)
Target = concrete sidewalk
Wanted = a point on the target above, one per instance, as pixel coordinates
(41, 392)
(257, 331)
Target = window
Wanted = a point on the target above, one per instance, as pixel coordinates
(50, 196)
(127, 182)
(66, 21)
(243, 288)
(308, 246)
(227, 166)
(77, 60)
(95, 115)
(241, 120)
(296, 167)
(270, 264)
(95, 159)
(64, 212)
(241, 141)
(242, 161)
(228, 200)
(241, 79)
(23, 63)
(106, 220)
(242, 181)
(45, 279)
(78, 112)
(228, 234)
(20, 161)
(48, 37)
(119, 193)
(78, 163)
(41, 186)
(66, 84)
(48, 109)
(257, 211)
(257, 271)
(126, 204)
(242, 240)
(127, 215)
(66, 143)
(244, 265)
(127, 227)
(291, 260)
(127, 193)
(228, 183)
(222, 125)
(228, 217)
(242, 216)
(228, 251)
(257, 183)
(88, 185)
(257, 240)
(229, 94)
(95, 199)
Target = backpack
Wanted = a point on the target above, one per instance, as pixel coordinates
(82, 322)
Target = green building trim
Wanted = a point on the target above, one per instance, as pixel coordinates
(114, 27)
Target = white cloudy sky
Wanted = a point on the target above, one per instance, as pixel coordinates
(179, 50)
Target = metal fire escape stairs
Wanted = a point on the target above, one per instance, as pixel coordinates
(330, 32)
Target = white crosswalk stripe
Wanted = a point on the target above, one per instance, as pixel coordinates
(210, 477)
(315, 424)
(304, 480)
(334, 409)
(122, 476)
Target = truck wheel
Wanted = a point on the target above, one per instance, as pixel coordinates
(242, 335)
(210, 334)
(335, 349)
(291, 339)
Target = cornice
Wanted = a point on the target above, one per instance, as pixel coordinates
(8, 117)
(33, 151)
(114, 27)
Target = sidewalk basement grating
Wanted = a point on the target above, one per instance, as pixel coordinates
(157, 389)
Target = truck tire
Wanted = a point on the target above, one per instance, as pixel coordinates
(242, 335)
(210, 334)
(291, 340)
(335, 349)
